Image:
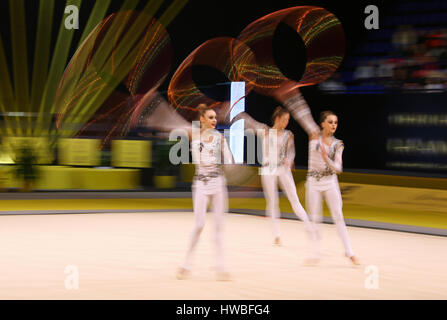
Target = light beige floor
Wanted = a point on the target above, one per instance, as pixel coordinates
(135, 256)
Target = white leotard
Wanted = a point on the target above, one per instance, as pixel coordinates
(285, 149)
(208, 157)
(285, 144)
(318, 168)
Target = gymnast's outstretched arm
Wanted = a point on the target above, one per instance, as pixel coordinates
(291, 98)
(250, 123)
(161, 116)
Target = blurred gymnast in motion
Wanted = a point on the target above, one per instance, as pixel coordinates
(325, 162)
(209, 151)
(277, 162)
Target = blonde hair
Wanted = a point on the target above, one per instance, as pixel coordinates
(203, 108)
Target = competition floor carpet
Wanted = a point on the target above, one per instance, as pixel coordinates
(134, 255)
(129, 245)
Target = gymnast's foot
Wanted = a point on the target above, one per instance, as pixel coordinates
(182, 274)
(354, 260)
(223, 276)
(277, 241)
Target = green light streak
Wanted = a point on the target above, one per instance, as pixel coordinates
(57, 67)
(41, 53)
(19, 57)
